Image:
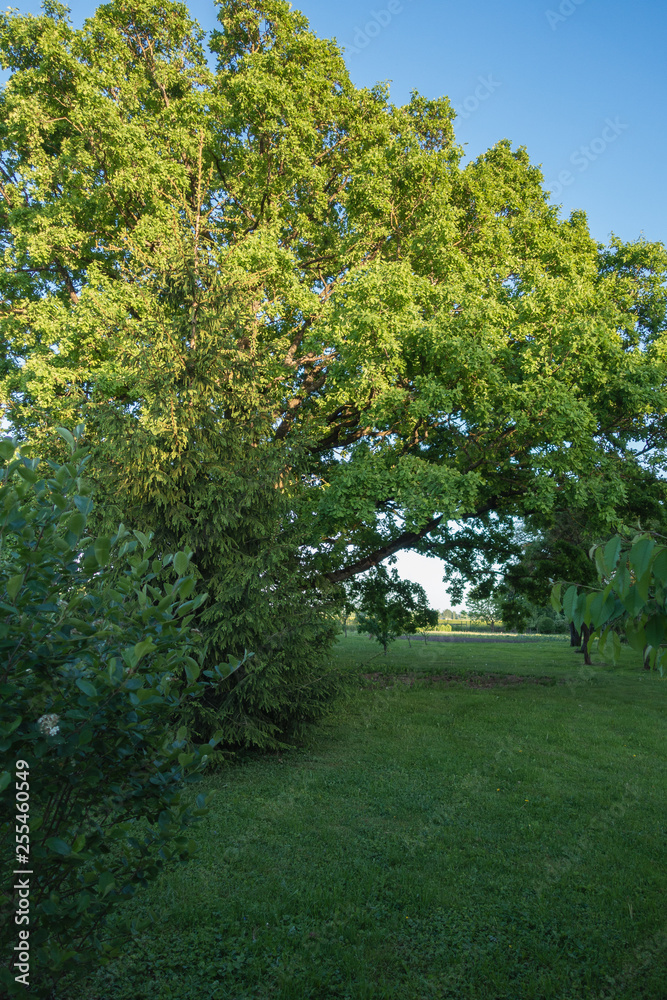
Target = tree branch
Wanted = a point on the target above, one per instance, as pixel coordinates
(405, 541)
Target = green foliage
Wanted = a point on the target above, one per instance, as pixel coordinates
(515, 609)
(546, 625)
(560, 625)
(190, 248)
(388, 606)
(99, 659)
(555, 546)
(631, 597)
(483, 607)
(301, 334)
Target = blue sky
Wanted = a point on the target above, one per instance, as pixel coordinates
(581, 83)
(551, 75)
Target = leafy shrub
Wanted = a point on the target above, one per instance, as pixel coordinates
(546, 625)
(445, 628)
(98, 661)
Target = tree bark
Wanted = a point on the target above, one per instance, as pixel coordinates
(585, 637)
(575, 637)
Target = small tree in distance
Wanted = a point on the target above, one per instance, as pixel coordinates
(484, 608)
(388, 607)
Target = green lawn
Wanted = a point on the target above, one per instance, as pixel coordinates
(432, 840)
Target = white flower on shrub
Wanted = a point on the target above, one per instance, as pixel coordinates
(48, 724)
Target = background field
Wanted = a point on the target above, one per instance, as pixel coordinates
(431, 840)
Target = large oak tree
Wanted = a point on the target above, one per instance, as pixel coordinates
(302, 335)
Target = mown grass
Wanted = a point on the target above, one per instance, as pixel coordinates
(537, 655)
(430, 841)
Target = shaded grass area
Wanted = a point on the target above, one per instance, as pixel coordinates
(543, 655)
(430, 842)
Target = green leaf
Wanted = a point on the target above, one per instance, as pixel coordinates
(192, 670)
(570, 602)
(27, 474)
(181, 563)
(88, 689)
(7, 449)
(186, 587)
(8, 727)
(633, 601)
(143, 540)
(612, 551)
(83, 504)
(5, 778)
(655, 630)
(644, 584)
(105, 884)
(102, 549)
(67, 436)
(58, 846)
(580, 609)
(90, 562)
(659, 566)
(640, 556)
(556, 598)
(76, 523)
(622, 580)
(13, 585)
(141, 649)
(602, 641)
(602, 607)
(115, 671)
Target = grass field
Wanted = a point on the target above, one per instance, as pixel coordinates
(432, 840)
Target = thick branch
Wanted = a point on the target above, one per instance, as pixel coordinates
(405, 541)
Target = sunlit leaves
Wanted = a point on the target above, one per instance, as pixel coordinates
(190, 250)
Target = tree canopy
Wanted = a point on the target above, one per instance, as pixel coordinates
(292, 320)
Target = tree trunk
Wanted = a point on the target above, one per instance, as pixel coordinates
(647, 661)
(585, 637)
(575, 638)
